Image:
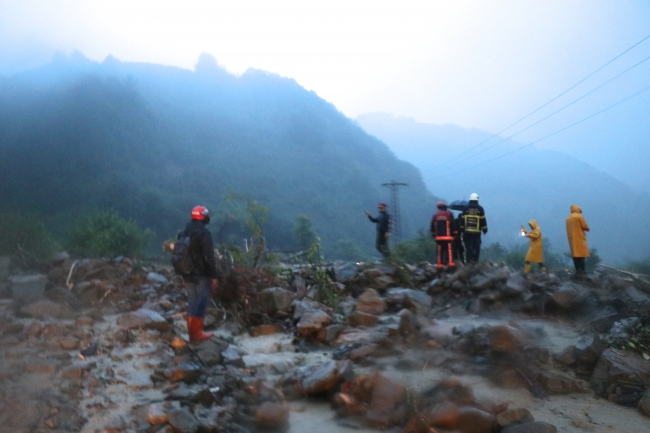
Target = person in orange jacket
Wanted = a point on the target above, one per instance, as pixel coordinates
(576, 226)
(536, 251)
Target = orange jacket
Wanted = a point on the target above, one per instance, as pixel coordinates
(576, 226)
(536, 250)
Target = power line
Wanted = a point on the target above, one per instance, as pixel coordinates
(547, 103)
(554, 133)
(553, 113)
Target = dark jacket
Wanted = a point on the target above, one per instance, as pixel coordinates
(443, 225)
(382, 221)
(472, 219)
(201, 249)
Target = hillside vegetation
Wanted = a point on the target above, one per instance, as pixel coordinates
(149, 142)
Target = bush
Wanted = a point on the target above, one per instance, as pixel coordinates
(416, 250)
(106, 234)
(25, 236)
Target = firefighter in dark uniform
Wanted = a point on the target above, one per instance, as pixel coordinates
(473, 223)
(457, 245)
(442, 230)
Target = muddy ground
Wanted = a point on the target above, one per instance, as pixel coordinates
(101, 346)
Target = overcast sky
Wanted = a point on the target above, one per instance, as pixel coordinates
(478, 64)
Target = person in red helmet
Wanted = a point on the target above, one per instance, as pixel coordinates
(442, 230)
(203, 277)
(383, 229)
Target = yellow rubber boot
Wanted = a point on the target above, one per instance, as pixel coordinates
(527, 267)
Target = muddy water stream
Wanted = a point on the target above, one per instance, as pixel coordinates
(574, 413)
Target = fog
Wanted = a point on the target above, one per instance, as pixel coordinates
(474, 64)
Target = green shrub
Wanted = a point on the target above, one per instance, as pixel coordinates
(106, 234)
(26, 237)
(416, 250)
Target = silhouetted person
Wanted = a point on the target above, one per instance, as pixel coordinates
(576, 228)
(473, 223)
(383, 229)
(442, 230)
(458, 250)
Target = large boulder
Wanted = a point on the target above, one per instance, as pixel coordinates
(370, 302)
(312, 322)
(618, 370)
(272, 415)
(276, 299)
(345, 272)
(568, 296)
(326, 377)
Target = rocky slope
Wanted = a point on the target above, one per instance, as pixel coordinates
(100, 345)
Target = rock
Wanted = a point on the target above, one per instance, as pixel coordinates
(272, 415)
(386, 269)
(145, 319)
(386, 398)
(157, 412)
(362, 319)
(588, 349)
(333, 332)
(620, 369)
(299, 286)
(209, 356)
(154, 277)
(326, 377)
(312, 322)
(644, 403)
(276, 299)
(408, 323)
(188, 372)
(568, 296)
(514, 416)
(183, 421)
(515, 285)
(444, 415)
(266, 329)
(416, 300)
(232, 356)
(345, 271)
(472, 420)
(307, 305)
(28, 288)
(531, 427)
(45, 308)
(370, 302)
(506, 339)
(383, 282)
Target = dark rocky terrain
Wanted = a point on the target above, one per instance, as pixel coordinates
(101, 346)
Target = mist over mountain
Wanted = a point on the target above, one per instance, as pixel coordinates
(529, 184)
(152, 141)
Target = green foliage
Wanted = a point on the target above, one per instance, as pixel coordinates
(106, 234)
(347, 249)
(328, 292)
(402, 273)
(416, 250)
(252, 214)
(515, 257)
(304, 231)
(26, 236)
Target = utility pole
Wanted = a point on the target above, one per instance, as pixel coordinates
(396, 231)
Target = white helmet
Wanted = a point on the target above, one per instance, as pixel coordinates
(473, 197)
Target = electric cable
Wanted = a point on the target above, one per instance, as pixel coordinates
(547, 103)
(553, 133)
(552, 114)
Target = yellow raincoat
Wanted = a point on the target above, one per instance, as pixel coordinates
(536, 251)
(576, 226)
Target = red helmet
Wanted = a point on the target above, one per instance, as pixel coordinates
(381, 205)
(440, 204)
(199, 213)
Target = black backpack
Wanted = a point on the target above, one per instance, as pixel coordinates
(181, 256)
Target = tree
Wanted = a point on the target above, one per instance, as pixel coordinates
(26, 237)
(106, 234)
(304, 231)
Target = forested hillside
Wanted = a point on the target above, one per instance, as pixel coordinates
(151, 141)
(529, 184)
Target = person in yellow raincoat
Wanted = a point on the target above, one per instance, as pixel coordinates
(536, 251)
(576, 226)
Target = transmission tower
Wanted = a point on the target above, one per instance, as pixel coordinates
(396, 230)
